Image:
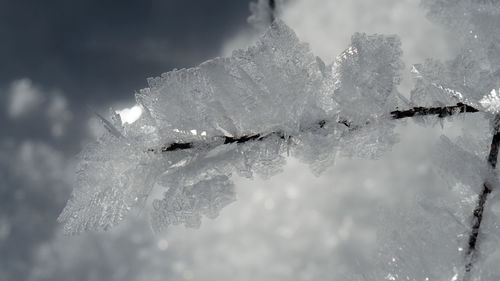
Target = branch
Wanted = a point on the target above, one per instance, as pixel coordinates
(441, 112)
(478, 211)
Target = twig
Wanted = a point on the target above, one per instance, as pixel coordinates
(272, 9)
(441, 112)
(478, 211)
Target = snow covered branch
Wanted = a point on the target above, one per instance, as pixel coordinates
(242, 114)
(487, 189)
(268, 97)
(441, 112)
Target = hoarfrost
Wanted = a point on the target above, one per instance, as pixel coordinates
(459, 166)
(241, 115)
(470, 77)
(272, 99)
(428, 237)
(366, 76)
(424, 239)
(187, 204)
(491, 102)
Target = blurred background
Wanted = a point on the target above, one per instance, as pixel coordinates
(61, 61)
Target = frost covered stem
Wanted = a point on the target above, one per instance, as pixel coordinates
(439, 111)
(495, 143)
(478, 211)
(187, 145)
(478, 217)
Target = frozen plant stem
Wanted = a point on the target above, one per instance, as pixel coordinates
(441, 112)
(478, 211)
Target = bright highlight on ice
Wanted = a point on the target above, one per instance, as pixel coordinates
(130, 115)
(491, 102)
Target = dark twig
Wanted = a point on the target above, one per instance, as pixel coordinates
(241, 139)
(478, 211)
(495, 143)
(226, 140)
(441, 112)
(272, 9)
(478, 217)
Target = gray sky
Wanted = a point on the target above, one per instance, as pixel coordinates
(98, 51)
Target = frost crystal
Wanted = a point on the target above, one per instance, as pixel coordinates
(366, 76)
(187, 204)
(239, 115)
(491, 102)
(475, 71)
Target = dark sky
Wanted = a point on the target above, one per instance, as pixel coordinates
(100, 52)
(95, 53)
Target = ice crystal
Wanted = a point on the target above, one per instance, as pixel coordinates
(424, 239)
(472, 75)
(366, 76)
(186, 204)
(491, 102)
